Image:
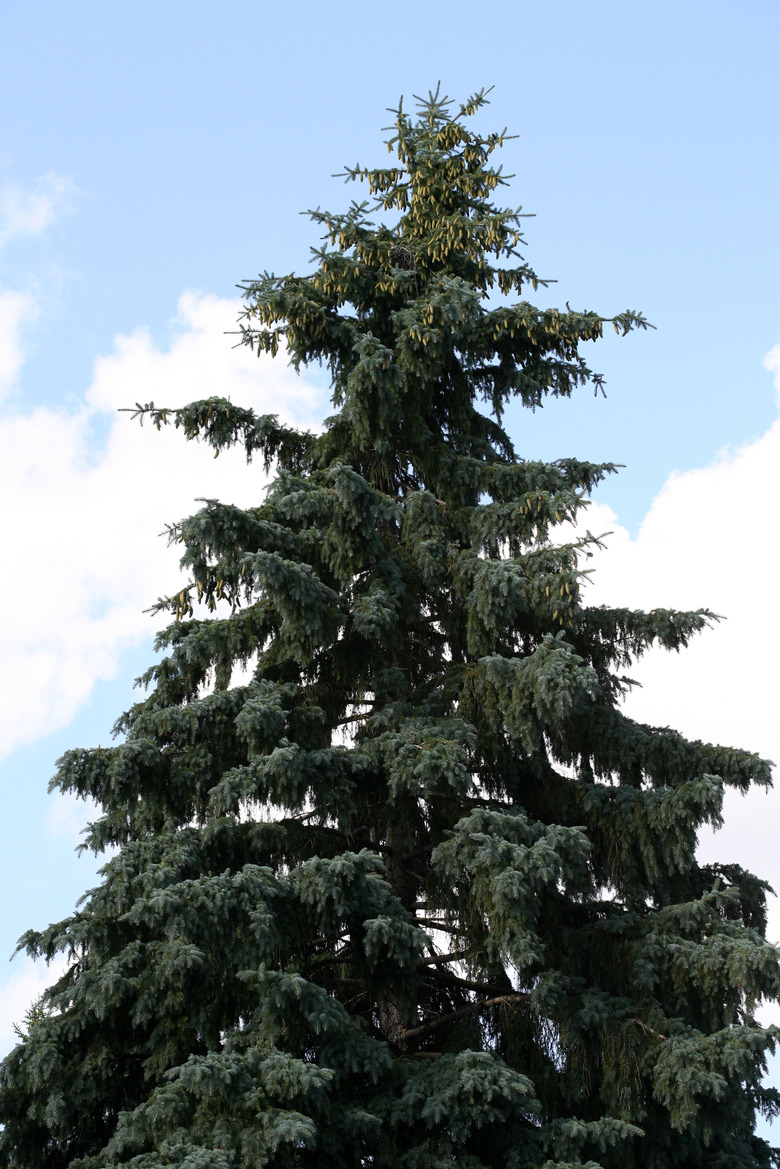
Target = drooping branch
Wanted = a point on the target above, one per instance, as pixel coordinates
(443, 959)
(449, 979)
(440, 925)
(462, 1012)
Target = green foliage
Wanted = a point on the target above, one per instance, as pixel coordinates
(410, 890)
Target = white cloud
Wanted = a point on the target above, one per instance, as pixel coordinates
(82, 557)
(15, 309)
(29, 212)
(23, 212)
(19, 991)
(67, 816)
(710, 540)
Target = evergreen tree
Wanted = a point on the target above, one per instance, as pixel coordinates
(417, 893)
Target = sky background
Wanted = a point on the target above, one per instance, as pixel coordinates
(153, 155)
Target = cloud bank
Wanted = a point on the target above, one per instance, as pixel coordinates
(91, 490)
(16, 309)
(710, 540)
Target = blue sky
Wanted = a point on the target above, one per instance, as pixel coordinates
(151, 156)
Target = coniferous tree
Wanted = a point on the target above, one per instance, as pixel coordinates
(414, 892)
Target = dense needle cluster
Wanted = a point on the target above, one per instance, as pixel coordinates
(396, 882)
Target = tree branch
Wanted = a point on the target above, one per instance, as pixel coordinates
(440, 925)
(450, 979)
(471, 1009)
(648, 1030)
(442, 959)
